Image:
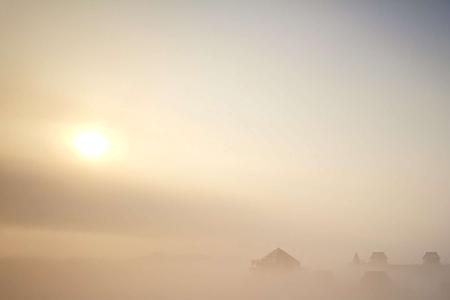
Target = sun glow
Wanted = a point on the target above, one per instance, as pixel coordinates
(91, 144)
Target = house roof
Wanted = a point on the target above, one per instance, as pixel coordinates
(279, 256)
(356, 259)
(431, 258)
(431, 255)
(378, 255)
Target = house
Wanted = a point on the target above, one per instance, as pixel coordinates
(356, 260)
(378, 258)
(431, 258)
(278, 259)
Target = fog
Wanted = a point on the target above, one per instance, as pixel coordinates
(160, 276)
(224, 149)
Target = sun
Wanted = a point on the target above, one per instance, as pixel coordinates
(91, 144)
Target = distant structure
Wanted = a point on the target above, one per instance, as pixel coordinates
(278, 259)
(378, 258)
(356, 260)
(431, 258)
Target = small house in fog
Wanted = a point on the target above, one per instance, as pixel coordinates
(431, 258)
(278, 259)
(356, 260)
(378, 258)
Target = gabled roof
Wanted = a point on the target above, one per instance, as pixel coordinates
(279, 256)
(378, 255)
(431, 258)
(356, 260)
(431, 255)
(278, 259)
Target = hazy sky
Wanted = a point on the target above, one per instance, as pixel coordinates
(235, 127)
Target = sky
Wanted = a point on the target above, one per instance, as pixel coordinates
(235, 127)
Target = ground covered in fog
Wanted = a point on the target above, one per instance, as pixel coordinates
(195, 277)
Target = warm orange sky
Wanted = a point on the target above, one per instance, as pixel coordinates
(233, 128)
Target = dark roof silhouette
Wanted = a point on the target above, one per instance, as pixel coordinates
(378, 257)
(278, 259)
(431, 258)
(356, 260)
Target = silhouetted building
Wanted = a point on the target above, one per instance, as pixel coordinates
(356, 260)
(278, 259)
(378, 258)
(431, 258)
